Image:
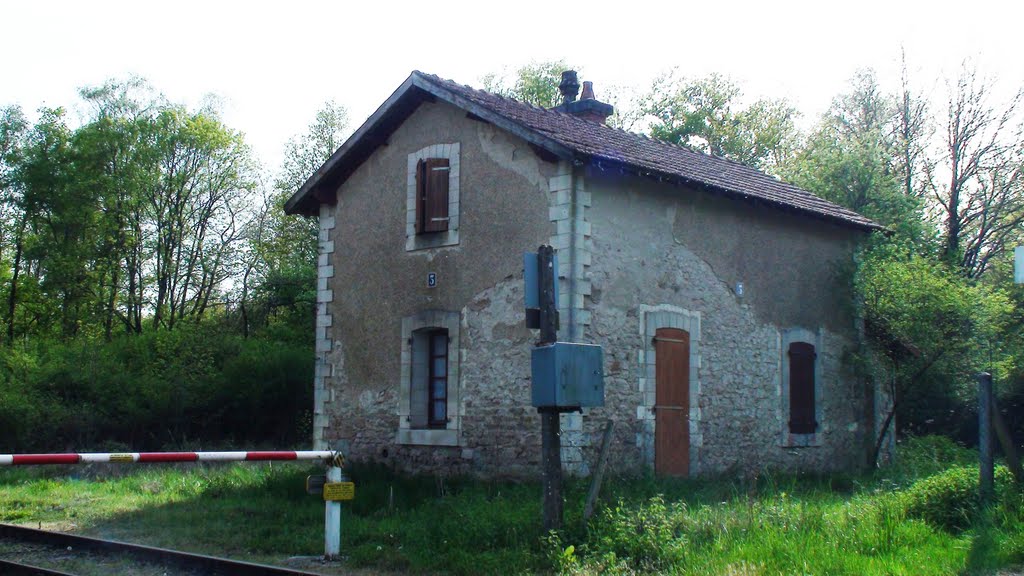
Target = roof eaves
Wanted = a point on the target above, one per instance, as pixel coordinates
(645, 172)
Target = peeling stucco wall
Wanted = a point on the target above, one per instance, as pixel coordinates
(678, 249)
(633, 254)
(376, 282)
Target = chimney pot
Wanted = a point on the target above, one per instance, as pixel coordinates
(569, 87)
(588, 90)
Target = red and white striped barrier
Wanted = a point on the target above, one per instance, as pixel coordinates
(142, 457)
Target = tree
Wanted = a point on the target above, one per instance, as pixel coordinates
(116, 148)
(534, 83)
(704, 113)
(281, 261)
(206, 174)
(979, 186)
(857, 155)
(936, 328)
(13, 126)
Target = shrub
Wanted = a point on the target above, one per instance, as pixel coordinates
(648, 536)
(195, 386)
(919, 456)
(949, 500)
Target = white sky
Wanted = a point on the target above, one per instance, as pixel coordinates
(274, 65)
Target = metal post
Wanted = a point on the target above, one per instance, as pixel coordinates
(551, 444)
(986, 473)
(332, 519)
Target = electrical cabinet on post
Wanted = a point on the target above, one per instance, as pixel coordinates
(568, 376)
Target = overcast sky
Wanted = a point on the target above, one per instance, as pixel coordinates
(274, 64)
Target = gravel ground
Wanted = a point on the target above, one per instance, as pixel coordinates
(82, 562)
(87, 563)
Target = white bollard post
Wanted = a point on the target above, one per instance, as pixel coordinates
(332, 519)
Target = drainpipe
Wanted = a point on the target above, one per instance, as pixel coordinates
(573, 249)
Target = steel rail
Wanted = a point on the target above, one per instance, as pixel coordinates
(185, 560)
(10, 568)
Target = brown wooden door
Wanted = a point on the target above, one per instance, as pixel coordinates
(672, 402)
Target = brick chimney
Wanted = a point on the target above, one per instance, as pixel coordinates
(587, 107)
(569, 87)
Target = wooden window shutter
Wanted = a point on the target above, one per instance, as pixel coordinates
(435, 195)
(421, 191)
(801, 388)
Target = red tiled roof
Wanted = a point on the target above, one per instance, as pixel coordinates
(600, 143)
(567, 136)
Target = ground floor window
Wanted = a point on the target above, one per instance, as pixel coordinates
(428, 402)
(801, 412)
(428, 390)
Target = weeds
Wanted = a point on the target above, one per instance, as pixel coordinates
(892, 522)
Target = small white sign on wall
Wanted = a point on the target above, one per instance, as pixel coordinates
(1018, 264)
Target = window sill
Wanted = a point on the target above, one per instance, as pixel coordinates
(790, 440)
(431, 240)
(426, 437)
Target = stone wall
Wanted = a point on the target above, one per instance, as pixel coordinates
(380, 279)
(673, 257)
(634, 255)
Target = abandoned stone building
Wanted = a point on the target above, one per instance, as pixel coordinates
(720, 294)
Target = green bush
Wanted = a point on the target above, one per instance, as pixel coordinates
(196, 386)
(648, 536)
(949, 500)
(919, 456)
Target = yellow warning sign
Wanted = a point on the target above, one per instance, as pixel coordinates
(121, 458)
(339, 491)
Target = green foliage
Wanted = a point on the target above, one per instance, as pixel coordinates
(194, 385)
(534, 83)
(937, 329)
(949, 500)
(646, 537)
(783, 525)
(922, 456)
(705, 114)
(853, 159)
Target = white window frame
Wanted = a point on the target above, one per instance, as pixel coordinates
(449, 435)
(449, 237)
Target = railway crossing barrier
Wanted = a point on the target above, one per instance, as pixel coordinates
(335, 487)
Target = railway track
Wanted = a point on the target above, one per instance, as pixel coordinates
(9, 568)
(187, 562)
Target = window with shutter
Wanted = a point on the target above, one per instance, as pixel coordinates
(801, 388)
(428, 388)
(432, 195)
(428, 378)
(437, 409)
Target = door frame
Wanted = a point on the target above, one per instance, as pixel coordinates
(668, 316)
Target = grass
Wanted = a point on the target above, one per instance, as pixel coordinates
(770, 525)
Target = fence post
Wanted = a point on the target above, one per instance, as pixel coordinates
(986, 470)
(332, 517)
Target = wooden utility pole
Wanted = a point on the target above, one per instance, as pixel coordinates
(551, 445)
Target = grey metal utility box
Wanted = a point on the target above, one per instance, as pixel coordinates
(568, 375)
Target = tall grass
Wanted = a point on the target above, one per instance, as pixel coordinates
(778, 524)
